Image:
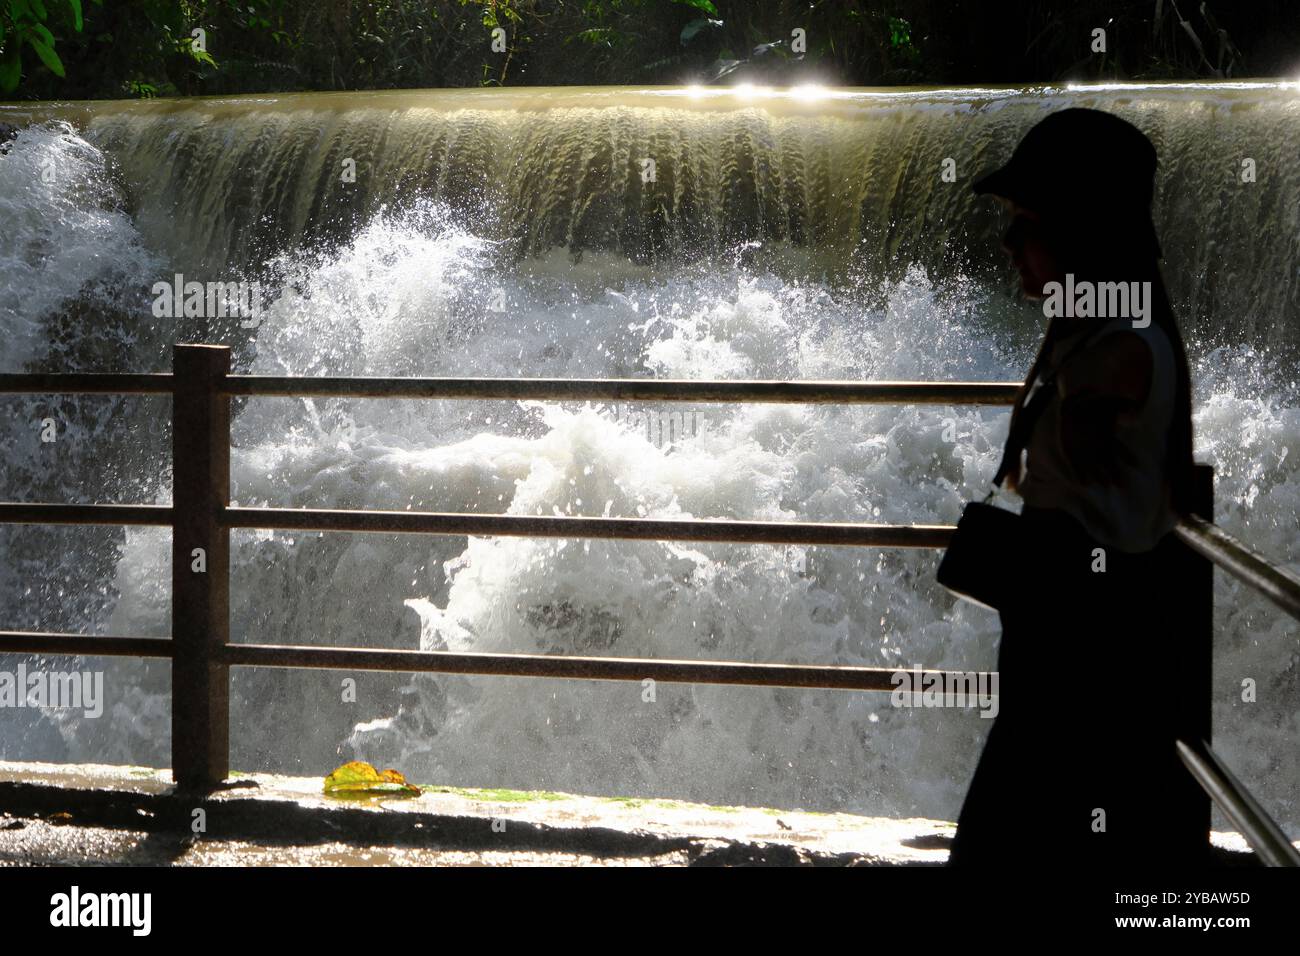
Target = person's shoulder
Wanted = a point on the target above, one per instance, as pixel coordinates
(1119, 361)
(1128, 347)
(1139, 361)
(1131, 344)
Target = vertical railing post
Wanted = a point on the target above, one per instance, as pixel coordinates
(200, 566)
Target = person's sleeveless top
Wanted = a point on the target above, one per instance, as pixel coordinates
(1134, 514)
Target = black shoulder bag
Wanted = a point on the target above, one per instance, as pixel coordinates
(989, 539)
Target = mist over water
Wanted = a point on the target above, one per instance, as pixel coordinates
(868, 273)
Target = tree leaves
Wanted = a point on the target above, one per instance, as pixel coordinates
(46, 53)
(705, 5)
(26, 21)
(11, 69)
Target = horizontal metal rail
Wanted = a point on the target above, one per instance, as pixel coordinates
(88, 383)
(585, 668)
(632, 389)
(1209, 540)
(1261, 832)
(42, 642)
(1278, 585)
(19, 513)
(537, 389)
(643, 529)
(541, 526)
(828, 677)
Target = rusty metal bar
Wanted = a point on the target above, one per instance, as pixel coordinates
(643, 529)
(200, 567)
(1275, 583)
(1261, 832)
(87, 383)
(14, 512)
(640, 389)
(44, 642)
(581, 668)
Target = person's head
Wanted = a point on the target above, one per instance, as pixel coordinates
(1079, 188)
(1033, 249)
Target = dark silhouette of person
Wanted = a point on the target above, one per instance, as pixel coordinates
(1080, 767)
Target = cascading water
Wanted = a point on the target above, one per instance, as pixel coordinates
(505, 233)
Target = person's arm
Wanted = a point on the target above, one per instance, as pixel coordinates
(1105, 385)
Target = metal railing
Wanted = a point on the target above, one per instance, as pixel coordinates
(201, 518)
(1261, 832)
(1209, 540)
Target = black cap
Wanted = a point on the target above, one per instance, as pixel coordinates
(1080, 161)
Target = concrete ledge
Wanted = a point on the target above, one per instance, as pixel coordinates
(96, 815)
(104, 815)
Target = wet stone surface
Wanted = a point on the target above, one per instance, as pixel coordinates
(90, 815)
(97, 815)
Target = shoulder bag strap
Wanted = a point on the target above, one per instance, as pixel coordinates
(1033, 409)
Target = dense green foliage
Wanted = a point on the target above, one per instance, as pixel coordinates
(114, 48)
(25, 25)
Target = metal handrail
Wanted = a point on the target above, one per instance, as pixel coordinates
(1261, 832)
(86, 383)
(16, 512)
(534, 389)
(630, 389)
(572, 526)
(812, 676)
(88, 645)
(1209, 540)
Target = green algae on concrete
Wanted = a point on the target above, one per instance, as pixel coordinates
(499, 795)
(631, 803)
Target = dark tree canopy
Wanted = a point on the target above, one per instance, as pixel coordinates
(70, 49)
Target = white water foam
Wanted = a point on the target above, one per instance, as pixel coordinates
(64, 233)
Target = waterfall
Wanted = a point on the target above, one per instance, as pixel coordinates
(607, 233)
